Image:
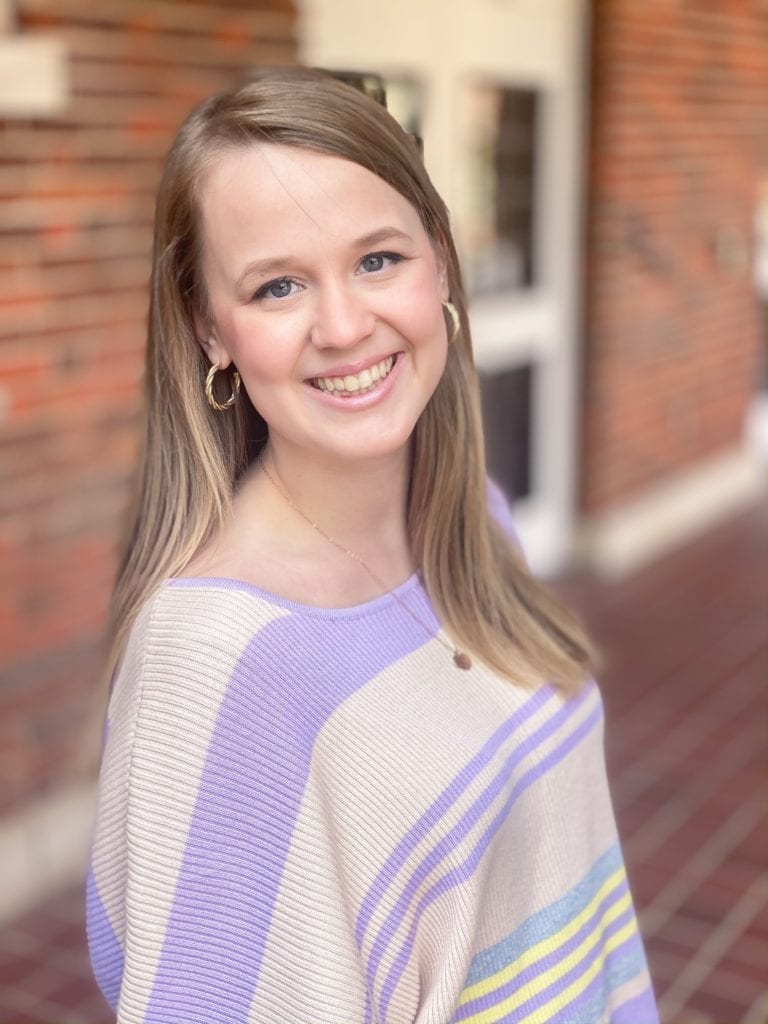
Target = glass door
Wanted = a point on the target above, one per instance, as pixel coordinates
(494, 87)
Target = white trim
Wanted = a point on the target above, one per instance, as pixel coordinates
(33, 76)
(515, 329)
(622, 540)
(537, 44)
(561, 183)
(757, 426)
(44, 847)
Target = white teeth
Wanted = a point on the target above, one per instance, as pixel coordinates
(356, 383)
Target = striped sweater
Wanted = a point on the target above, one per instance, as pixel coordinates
(311, 816)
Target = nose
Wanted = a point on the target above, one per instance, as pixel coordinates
(343, 318)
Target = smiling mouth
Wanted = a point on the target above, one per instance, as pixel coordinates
(355, 383)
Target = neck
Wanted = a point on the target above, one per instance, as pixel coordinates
(361, 506)
(367, 509)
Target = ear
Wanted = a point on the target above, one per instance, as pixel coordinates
(442, 274)
(208, 338)
(445, 289)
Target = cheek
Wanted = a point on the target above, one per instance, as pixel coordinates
(433, 338)
(420, 305)
(259, 351)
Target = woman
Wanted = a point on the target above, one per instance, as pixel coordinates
(353, 769)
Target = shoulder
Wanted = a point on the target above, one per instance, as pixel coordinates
(186, 643)
(202, 618)
(500, 511)
(191, 666)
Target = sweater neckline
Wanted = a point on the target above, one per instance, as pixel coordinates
(375, 604)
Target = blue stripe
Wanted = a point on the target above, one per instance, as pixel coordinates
(463, 827)
(593, 926)
(589, 1007)
(621, 965)
(546, 922)
(463, 871)
(440, 807)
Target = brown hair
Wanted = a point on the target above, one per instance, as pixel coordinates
(192, 458)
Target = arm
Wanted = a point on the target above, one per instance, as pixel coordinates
(203, 778)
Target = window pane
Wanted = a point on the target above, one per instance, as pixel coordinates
(506, 400)
(402, 95)
(405, 102)
(497, 189)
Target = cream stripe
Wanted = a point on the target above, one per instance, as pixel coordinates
(165, 710)
(463, 847)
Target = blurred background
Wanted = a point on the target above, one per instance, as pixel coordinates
(606, 167)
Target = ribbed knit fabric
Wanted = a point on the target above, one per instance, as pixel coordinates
(311, 816)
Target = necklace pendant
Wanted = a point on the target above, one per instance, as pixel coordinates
(460, 659)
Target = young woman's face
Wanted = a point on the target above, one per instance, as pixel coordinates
(325, 292)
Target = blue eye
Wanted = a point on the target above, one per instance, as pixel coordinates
(375, 261)
(279, 289)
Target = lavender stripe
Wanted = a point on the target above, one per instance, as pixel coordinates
(530, 973)
(465, 870)
(430, 818)
(106, 952)
(412, 589)
(463, 827)
(622, 964)
(640, 1010)
(609, 974)
(284, 687)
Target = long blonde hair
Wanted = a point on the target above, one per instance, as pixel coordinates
(193, 456)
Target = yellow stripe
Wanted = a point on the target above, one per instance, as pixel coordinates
(561, 968)
(545, 946)
(558, 1002)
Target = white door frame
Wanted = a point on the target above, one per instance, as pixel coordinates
(537, 44)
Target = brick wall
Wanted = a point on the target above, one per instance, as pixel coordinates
(679, 141)
(76, 203)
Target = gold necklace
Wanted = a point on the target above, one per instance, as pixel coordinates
(460, 658)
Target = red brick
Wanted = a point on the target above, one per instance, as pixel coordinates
(76, 207)
(678, 129)
(718, 1007)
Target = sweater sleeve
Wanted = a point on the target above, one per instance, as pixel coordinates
(499, 510)
(201, 785)
(280, 838)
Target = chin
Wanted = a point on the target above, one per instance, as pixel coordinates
(362, 450)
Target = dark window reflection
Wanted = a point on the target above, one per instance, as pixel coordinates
(502, 137)
(506, 399)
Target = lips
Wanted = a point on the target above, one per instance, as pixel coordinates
(355, 383)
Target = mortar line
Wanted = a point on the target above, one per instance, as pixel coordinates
(712, 853)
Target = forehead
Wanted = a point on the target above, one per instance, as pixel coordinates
(268, 195)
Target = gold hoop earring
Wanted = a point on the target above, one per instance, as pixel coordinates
(453, 313)
(212, 401)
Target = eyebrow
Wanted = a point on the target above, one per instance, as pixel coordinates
(276, 264)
